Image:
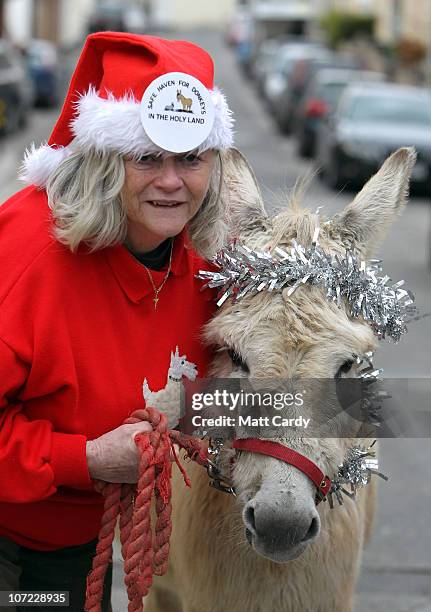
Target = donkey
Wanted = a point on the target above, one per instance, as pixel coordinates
(186, 102)
(270, 549)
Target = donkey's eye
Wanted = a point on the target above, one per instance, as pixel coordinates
(237, 360)
(345, 368)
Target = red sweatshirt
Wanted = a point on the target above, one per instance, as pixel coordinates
(78, 335)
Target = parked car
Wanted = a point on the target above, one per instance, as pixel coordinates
(300, 75)
(108, 16)
(264, 59)
(280, 68)
(16, 92)
(371, 121)
(321, 98)
(45, 71)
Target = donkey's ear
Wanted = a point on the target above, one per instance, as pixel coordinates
(244, 204)
(364, 222)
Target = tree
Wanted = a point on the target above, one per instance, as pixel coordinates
(340, 26)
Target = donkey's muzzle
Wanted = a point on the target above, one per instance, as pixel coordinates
(279, 534)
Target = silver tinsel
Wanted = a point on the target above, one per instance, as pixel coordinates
(244, 271)
(372, 396)
(356, 470)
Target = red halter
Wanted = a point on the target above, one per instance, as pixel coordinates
(288, 455)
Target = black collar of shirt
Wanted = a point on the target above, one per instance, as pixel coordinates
(157, 258)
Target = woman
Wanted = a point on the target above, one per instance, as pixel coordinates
(99, 256)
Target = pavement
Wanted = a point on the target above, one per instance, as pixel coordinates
(396, 573)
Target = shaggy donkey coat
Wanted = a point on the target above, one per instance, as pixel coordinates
(213, 567)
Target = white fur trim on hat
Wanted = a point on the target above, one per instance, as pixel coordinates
(106, 125)
(39, 163)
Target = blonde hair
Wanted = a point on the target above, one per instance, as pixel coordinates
(84, 194)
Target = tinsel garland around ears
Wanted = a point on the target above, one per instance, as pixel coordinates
(243, 271)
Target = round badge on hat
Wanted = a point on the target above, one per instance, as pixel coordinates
(177, 112)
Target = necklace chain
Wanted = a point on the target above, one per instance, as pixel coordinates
(158, 289)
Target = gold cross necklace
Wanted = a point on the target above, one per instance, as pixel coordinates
(158, 289)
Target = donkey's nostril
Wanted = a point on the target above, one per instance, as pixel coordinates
(274, 530)
(249, 519)
(312, 530)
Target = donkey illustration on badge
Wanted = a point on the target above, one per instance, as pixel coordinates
(186, 102)
(168, 399)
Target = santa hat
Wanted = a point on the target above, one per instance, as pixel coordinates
(135, 95)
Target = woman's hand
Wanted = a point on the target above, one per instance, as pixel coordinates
(114, 457)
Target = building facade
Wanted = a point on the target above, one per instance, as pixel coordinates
(64, 22)
(351, 6)
(189, 14)
(398, 19)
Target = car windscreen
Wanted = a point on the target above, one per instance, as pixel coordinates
(284, 60)
(281, 63)
(389, 109)
(331, 92)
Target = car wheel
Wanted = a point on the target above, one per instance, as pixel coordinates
(332, 174)
(304, 147)
(283, 125)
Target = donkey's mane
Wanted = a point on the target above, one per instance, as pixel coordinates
(292, 220)
(296, 223)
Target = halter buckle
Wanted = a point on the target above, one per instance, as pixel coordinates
(217, 479)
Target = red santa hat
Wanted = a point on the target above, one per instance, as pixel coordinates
(135, 95)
